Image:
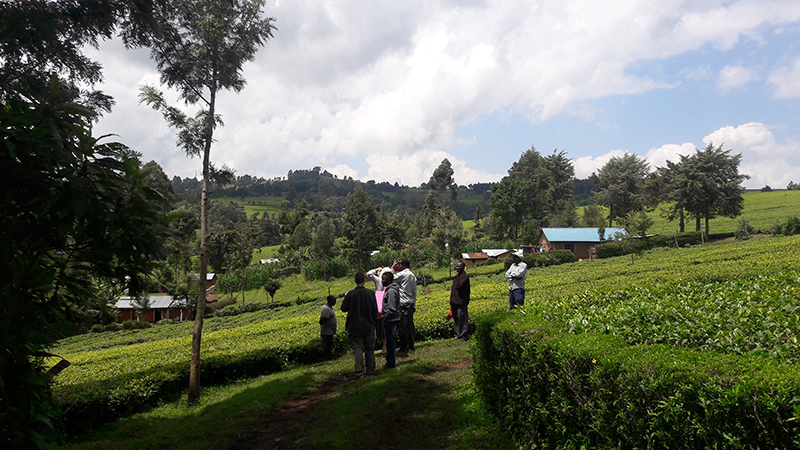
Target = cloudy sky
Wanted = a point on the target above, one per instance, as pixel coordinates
(385, 90)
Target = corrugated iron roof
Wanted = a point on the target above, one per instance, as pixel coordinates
(579, 234)
(156, 302)
(495, 252)
(474, 256)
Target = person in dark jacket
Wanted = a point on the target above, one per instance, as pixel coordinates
(362, 311)
(327, 326)
(459, 299)
(391, 316)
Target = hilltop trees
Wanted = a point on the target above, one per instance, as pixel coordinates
(199, 47)
(708, 184)
(619, 185)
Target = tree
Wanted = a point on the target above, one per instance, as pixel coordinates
(271, 286)
(199, 48)
(558, 173)
(619, 185)
(448, 234)
(637, 223)
(158, 180)
(593, 217)
(509, 202)
(362, 227)
(442, 180)
(325, 240)
(43, 39)
(711, 184)
(73, 209)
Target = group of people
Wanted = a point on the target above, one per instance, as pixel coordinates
(387, 313)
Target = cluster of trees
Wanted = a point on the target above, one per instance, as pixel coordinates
(80, 217)
(702, 186)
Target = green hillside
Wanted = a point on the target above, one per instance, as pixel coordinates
(126, 371)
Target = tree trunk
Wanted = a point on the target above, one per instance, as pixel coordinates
(706, 232)
(697, 224)
(682, 221)
(197, 332)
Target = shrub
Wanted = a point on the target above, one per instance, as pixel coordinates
(135, 325)
(561, 390)
(790, 227)
(97, 328)
(112, 327)
(544, 259)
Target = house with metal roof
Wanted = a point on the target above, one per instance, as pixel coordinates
(154, 308)
(474, 259)
(580, 241)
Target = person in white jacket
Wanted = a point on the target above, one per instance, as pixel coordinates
(407, 283)
(516, 282)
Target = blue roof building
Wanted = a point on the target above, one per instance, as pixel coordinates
(580, 241)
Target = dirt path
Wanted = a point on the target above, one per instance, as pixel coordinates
(305, 416)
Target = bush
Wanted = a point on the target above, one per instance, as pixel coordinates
(113, 326)
(790, 227)
(561, 390)
(97, 328)
(241, 309)
(619, 248)
(135, 325)
(544, 259)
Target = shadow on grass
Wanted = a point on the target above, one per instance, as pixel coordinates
(420, 404)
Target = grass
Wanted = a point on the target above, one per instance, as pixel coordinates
(428, 401)
(762, 210)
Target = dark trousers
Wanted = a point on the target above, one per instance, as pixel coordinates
(327, 345)
(406, 329)
(390, 335)
(460, 321)
(516, 298)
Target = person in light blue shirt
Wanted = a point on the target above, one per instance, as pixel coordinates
(516, 282)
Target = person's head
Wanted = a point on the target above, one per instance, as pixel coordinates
(360, 278)
(331, 300)
(387, 277)
(405, 263)
(460, 266)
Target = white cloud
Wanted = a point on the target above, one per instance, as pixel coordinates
(732, 77)
(763, 158)
(786, 80)
(586, 165)
(417, 168)
(658, 157)
(350, 78)
(343, 170)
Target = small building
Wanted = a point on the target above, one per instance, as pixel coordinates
(498, 254)
(580, 241)
(158, 307)
(474, 259)
(211, 279)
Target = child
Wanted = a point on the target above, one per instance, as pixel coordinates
(327, 327)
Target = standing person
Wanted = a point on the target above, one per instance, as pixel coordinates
(516, 282)
(327, 327)
(459, 299)
(407, 283)
(391, 316)
(361, 309)
(374, 275)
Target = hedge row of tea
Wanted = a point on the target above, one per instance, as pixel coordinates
(129, 371)
(696, 353)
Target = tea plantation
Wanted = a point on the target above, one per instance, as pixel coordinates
(692, 347)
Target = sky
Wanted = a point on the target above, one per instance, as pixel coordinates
(385, 90)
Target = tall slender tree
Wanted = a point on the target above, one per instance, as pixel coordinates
(199, 48)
